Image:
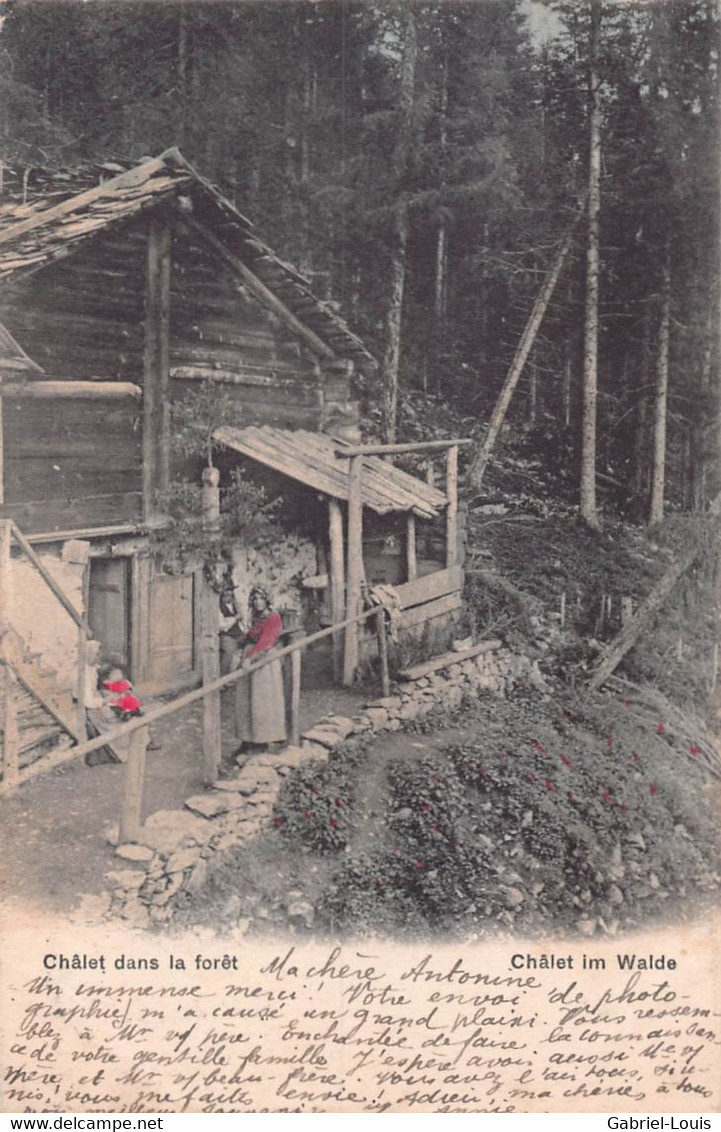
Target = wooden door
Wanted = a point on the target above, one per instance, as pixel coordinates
(171, 646)
(109, 609)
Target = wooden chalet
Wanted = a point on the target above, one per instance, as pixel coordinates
(117, 299)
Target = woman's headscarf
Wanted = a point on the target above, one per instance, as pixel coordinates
(259, 591)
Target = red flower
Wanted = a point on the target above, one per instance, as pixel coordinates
(609, 742)
(306, 813)
(482, 771)
(695, 750)
(127, 703)
(334, 821)
(660, 729)
(608, 797)
(565, 759)
(539, 747)
(420, 865)
(654, 788)
(623, 805)
(550, 786)
(117, 685)
(339, 801)
(425, 807)
(636, 758)
(531, 776)
(627, 703)
(277, 821)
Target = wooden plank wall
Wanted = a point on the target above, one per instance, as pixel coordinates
(219, 331)
(83, 317)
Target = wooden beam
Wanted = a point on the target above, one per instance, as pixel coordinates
(452, 508)
(411, 559)
(383, 651)
(133, 783)
(11, 739)
(354, 572)
(156, 368)
(337, 580)
(397, 449)
(430, 586)
(295, 672)
(85, 390)
(209, 633)
(259, 289)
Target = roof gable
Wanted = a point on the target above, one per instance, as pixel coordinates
(36, 234)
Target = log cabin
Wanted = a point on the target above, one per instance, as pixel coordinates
(117, 297)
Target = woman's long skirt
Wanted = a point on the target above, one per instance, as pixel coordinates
(260, 706)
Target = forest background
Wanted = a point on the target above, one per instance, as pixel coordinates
(421, 163)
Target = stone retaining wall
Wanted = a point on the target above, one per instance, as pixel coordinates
(177, 844)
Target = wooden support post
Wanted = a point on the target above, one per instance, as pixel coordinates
(5, 569)
(337, 581)
(11, 740)
(295, 670)
(133, 783)
(354, 573)
(411, 559)
(452, 509)
(81, 684)
(383, 651)
(209, 634)
(2, 455)
(156, 368)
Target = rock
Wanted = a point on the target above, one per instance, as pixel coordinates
(654, 881)
(586, 927)
(140, 853)
(302, 910)
(166, 830)
(175, 883)
(389, 703)
(91, 908)
(182, 859)
(229, 785)
(615, 895)
(211, 805)
(198, 878)
(637, 840)
(125, 878)
(111, 833)
(513, 898)
(340, 723)
(314, 750)
(378, 718)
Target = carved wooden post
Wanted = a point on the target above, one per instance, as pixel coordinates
(133, 783)
(295, 670)
(452, 509)
(337, 581)
(383, 651)
(209, 630)
(11, 740)
(81, 683)
(5, 569)
(411, 559)
(354, 572)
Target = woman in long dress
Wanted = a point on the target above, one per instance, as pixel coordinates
(259, 699)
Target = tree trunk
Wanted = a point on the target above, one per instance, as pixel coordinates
(658, 477)
(589, 513)
(478, 465)
(399, 235)
(648, 609)
(441, 284)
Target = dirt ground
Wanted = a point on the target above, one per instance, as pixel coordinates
(54, 845)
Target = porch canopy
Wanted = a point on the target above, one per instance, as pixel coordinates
(310, 458)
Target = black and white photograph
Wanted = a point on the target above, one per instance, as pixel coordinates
(360, 555)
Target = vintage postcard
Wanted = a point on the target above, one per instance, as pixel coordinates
(360, 473)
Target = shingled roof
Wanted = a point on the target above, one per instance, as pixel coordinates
(49, 227)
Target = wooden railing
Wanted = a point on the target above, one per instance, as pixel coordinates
(132, 737)
(9, 532)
